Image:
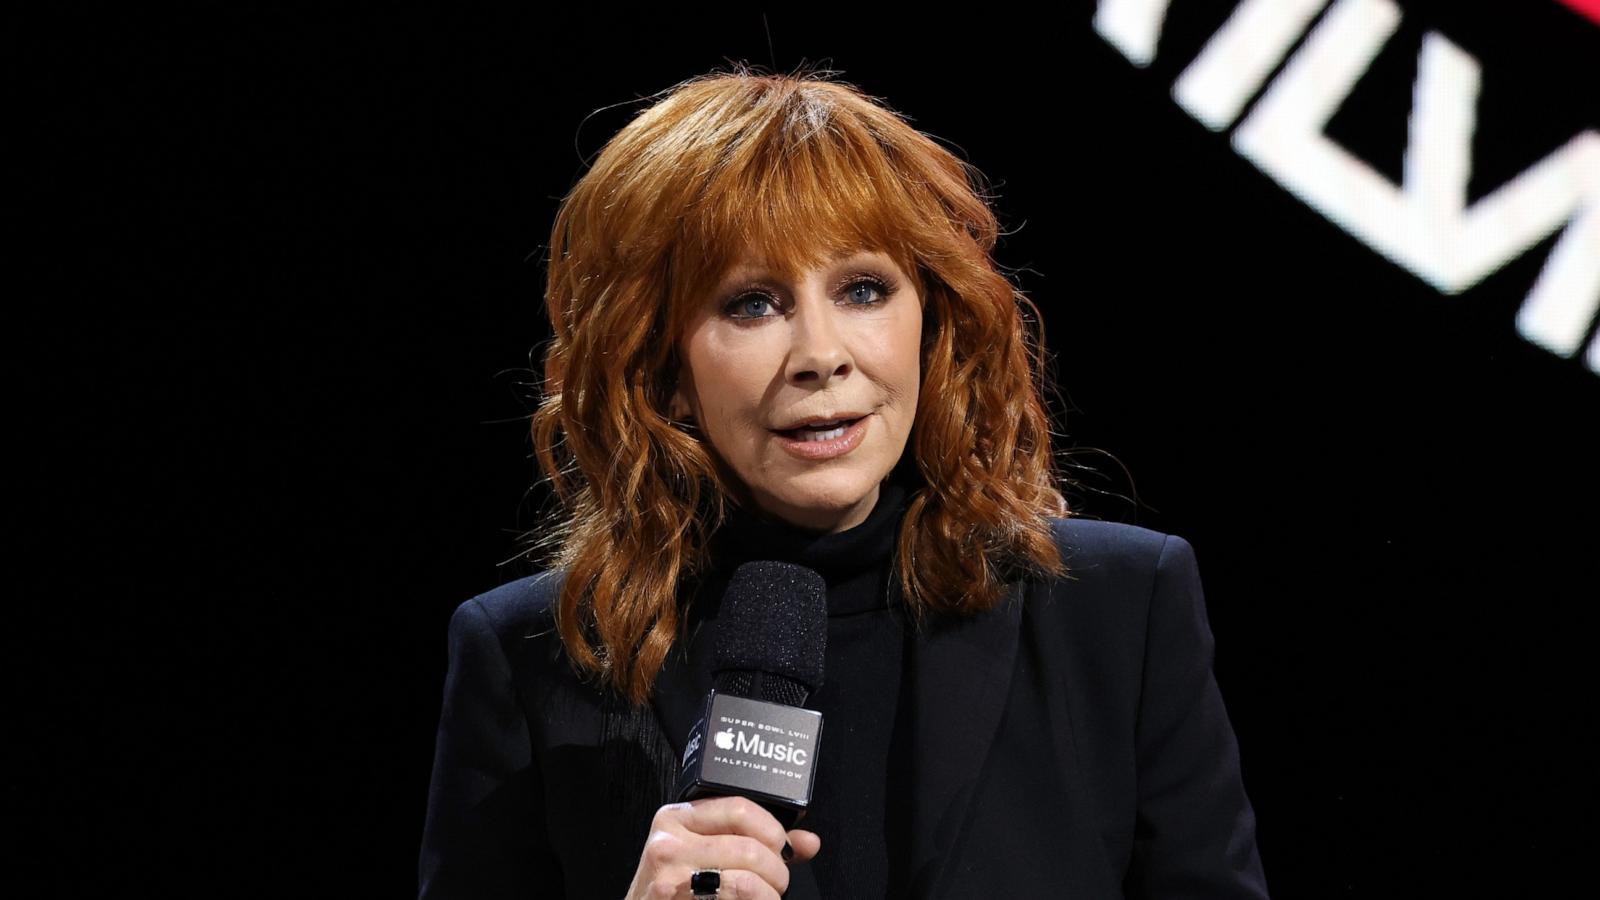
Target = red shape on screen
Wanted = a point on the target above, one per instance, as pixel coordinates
(1590, 8)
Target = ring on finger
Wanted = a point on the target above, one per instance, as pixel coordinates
(704, 883)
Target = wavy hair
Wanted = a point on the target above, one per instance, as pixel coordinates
(801, 167)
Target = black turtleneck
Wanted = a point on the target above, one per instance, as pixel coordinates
(860, 792)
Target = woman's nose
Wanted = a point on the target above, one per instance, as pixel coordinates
(817, 352)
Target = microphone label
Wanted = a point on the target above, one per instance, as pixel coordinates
(752, 747)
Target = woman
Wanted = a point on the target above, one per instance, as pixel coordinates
(780, 334)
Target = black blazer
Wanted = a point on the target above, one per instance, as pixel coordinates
(1070, 743)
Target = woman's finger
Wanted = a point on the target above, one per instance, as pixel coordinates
(743, 884)
(804, 844)
(742, 853)
(733, 815)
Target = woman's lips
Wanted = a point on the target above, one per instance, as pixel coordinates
(854, 433)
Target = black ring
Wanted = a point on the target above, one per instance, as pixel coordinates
(705, 881)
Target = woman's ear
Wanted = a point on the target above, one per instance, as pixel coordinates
(678, 408)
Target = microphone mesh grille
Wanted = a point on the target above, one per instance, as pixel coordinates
(774, 621)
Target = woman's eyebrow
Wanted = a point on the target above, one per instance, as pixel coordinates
(859, 257)
(751, 271)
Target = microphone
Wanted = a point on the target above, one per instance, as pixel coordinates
(755, 739)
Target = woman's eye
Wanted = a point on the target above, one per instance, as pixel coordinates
(750, 306)
(863, 291)
(866, 291)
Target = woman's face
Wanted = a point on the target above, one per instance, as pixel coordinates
(763, 355)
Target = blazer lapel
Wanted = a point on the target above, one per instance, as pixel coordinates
(960, 674)
(679, 697)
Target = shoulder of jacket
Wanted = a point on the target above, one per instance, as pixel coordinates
(523, 608)
(1116, 566)
(1093, 544)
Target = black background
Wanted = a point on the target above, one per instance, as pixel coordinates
(276, 311)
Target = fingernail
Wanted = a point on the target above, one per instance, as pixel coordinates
(788, 851)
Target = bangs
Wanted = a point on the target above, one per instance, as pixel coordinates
(800, 180)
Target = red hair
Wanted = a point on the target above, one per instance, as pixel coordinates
(799, 168)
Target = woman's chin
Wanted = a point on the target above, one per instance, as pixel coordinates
(828, 511)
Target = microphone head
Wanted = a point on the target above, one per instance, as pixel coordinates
(773, 620)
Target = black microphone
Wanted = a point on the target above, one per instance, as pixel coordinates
(755, 739)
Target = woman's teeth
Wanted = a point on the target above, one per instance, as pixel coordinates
(822, 432)
(811, 434)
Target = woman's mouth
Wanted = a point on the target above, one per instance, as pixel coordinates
(825, 431)
(824, 440)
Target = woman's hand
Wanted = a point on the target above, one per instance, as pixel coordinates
(733, 834)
